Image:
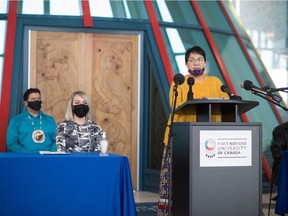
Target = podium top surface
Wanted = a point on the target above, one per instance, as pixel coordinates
(242, 105)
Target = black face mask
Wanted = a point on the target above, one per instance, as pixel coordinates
(35, 105)
(80, 110)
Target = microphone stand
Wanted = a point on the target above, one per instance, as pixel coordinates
(170, 142)
(272, 101)
(235, 97)
(285, 89)
(190, 93)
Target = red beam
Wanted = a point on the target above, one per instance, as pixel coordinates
(159, 40)
(87, 19)
(7, 71)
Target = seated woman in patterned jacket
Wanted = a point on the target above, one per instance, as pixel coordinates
(78, 133)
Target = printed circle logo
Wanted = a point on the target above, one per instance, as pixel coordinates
(210, 146)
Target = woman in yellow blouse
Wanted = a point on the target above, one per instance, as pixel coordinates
(204, 87)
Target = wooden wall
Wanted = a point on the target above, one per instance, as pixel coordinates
(105, 66)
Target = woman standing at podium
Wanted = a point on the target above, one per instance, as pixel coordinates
(204, 87)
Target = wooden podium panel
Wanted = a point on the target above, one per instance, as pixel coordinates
(232, 184)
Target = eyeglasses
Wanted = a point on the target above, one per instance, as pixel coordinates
(199, 60)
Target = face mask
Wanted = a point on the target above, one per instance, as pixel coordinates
(197, 72)
(35, 105)
(80, 110)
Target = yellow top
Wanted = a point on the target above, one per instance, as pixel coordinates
(210, 87)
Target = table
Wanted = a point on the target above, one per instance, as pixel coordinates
(80, 184)
(282, 190)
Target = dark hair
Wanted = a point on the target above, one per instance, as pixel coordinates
(29, 91)
(195, 49)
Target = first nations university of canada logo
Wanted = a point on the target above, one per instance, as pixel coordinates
(210, 146)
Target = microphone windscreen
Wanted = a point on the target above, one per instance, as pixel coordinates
(247, 84)
(224, 88)
(190, 81)
(179, 79)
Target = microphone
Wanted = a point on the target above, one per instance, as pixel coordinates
(190, 82)
(178, 80)
(248, 85)
(225, 88)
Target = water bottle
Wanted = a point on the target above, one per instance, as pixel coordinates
(104, 145)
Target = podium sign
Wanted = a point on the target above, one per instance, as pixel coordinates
(216, 169)
(225, 148)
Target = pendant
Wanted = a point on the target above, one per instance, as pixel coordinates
(38, 136)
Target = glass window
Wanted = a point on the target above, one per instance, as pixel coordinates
(1, 75)
(4, 6)
(175, 40)
(213, 15)
(235, 19)
(2, 36)
(235, 62)
(128, 15)
(65, 7)
(268, 34)
(120, 9)
(176, 11)
(137, 9)
(239, 69)
(100, 9)
(180, 61)
(164, 12)
(33, 7)
(2, 49)
(259, 66)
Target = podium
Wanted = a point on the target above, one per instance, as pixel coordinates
(216, 167)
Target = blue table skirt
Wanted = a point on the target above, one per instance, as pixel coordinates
(76, 184)
(282, 190)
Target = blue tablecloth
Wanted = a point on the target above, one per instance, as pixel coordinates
(282, 189)
(80, 184)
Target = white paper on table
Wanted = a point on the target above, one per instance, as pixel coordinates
(52, 152)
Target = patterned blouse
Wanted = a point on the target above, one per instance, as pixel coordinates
(72, 137)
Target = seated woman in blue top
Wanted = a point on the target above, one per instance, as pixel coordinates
(78, 133)
(31, 130)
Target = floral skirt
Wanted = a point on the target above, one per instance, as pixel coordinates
(165, 189)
